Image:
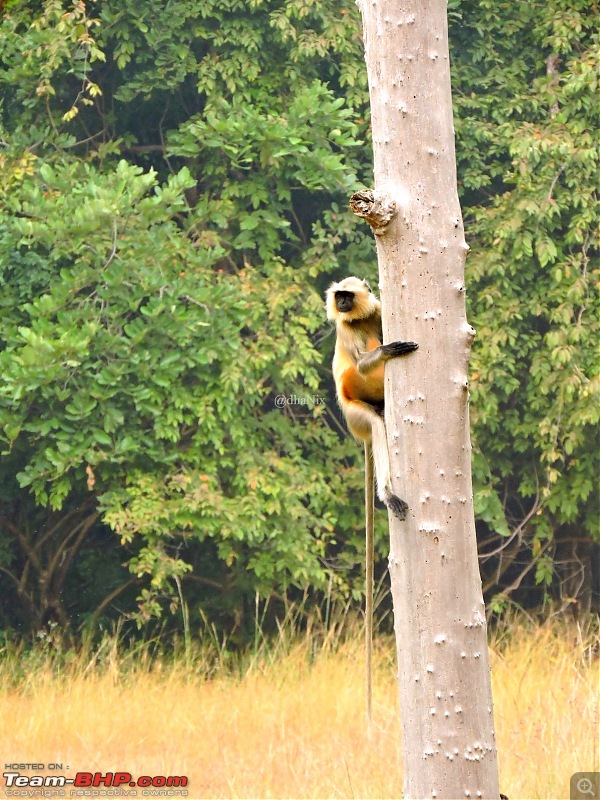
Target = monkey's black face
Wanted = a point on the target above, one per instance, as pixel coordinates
(344, 301)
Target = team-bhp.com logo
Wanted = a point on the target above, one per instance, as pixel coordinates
(94, 784)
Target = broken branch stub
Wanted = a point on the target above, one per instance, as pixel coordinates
(377, 209)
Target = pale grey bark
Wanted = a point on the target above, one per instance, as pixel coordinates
(444, 677)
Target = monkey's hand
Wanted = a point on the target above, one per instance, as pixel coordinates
(398, 349)
(368, 361)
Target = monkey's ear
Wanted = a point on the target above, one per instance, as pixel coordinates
(367, 285)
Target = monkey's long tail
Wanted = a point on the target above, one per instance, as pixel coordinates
(369, 509)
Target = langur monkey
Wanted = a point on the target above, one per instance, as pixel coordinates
(358, 366)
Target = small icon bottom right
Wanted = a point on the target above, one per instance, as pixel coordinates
(585, 786)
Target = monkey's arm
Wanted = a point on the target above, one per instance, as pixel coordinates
(373, 358)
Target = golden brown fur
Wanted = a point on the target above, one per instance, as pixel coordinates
(358, 370)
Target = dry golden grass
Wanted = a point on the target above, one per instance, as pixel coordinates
(289, 725)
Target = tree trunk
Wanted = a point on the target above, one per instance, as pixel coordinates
(444, 676)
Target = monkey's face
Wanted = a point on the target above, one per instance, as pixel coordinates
(344, 301)
(350, 299)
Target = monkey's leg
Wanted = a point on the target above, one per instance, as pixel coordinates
(382, 469)
(369, 557)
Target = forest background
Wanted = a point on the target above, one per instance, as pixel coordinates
(175, 180)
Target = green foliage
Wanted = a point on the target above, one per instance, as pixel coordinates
(41, 50)
(173, 203)
(154, 310)
(533, 273)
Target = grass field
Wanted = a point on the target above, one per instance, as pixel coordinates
(288, 723)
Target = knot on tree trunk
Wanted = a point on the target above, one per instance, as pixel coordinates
(378, 209)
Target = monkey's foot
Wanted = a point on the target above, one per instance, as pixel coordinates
(398, 507)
